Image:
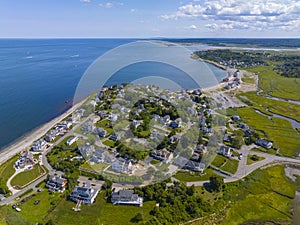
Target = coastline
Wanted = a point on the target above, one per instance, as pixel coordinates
(27, 140)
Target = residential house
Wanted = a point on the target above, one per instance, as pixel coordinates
(135, 123)
(162, 155)
(126, 197)
(264, 143)
(113, 137)
(176, 123)
(101, 156)
(113, 118)
(227, 138)
(25, 161)
(39, 145)
(71, 141)
(100, 131)
(85, 194)
(56, 184)
(200, 149)
(87, 150)
(235, 118)
(224, 150)
(194, 166)
(122, 165)
(51, 135)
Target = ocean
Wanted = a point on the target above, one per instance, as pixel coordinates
(38, 78)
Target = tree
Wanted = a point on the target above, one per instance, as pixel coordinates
(254, 157)
(138, 218)
(237, 142)
(216, 183)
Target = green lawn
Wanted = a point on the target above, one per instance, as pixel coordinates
(276, 85)
(249, 80)
(109, 143)
(36, 213)
(7, 169)
(226, 164)
(101, 212)
(251, 161)
(27, 176)
(265, 195)
(277, 130)
(189, 176)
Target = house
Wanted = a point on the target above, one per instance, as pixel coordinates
(101, 156)
(264, 143)
(85, 194)
(87, 149)
(165, 119)
(243, 126)
(102, 114)
(56, 184)
(162, 155)
(173, 139)
(25, 161)
(235, 118)
(100, 131)
(88, 127)
(39, 145)
(113, 137)
(135, 123)
(113, 118)
(200, 149)
(126, 197)
(224, 150)
(155, 134)
(194, 166)
(71, 141)
(51, 135)
(122, 165)
(197, 92)
(78, 114)
(176, 123)
(227, 138)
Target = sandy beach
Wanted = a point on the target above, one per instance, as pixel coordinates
(26, 141)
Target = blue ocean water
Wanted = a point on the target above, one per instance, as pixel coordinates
(38, 76)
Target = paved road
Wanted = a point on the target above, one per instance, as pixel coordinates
(31, 186)
(244, 169)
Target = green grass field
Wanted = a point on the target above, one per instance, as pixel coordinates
(27, 176)
(251, 161)
(7, 169)
(226, 164)
(276, 85)
(101, 212)
(188, 176)
(278, 107)
(249, 80)
(109, 143)
(277, 130)
(266, 195)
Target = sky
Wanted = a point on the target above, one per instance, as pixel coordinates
(149, 18)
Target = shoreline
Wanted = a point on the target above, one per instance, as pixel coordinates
(28, 139)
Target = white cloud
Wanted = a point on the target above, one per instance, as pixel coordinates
(85, 1)
(109, 5)
(242, 14)
(193, 27)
